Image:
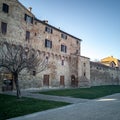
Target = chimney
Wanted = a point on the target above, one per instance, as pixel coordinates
(45, 21)
(30, 9)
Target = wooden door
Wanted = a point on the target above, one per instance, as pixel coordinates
(62, 83)
(46, 80)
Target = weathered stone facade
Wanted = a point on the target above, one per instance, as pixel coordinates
(66, 65)
(63, 49)
(103, 75)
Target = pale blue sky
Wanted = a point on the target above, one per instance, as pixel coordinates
(96, 22)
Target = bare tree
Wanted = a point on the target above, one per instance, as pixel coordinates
(15, 58)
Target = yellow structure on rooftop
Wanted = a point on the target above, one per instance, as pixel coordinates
(111, 61)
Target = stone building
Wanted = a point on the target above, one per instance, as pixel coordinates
(111, 61)
(67, 67)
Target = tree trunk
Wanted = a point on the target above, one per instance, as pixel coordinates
(17, 85)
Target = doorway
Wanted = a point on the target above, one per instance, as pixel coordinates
(62, 82)
(74, 82)
(46, 80)
(7, 81)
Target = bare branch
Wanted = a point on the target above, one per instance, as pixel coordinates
(15, 58)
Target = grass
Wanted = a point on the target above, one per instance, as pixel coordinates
(10, 106)
(87, 93)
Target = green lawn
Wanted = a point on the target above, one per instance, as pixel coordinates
(87, 93)
(10, 106)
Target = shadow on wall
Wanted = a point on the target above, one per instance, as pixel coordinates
(84, 82)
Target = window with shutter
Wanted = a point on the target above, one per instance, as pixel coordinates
(5, 8)
(27, 35)
(3, 28)
(63, 48)
(45, 42)
(62, 62)
(48, 43)
(48, 29)
(28, 19)
(64, 36)
(34, 73)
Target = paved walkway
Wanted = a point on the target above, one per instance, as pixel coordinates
(106, 108)
(49, 97)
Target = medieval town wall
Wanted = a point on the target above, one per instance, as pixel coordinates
(103, 75)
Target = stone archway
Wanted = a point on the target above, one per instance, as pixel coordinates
(74, 81)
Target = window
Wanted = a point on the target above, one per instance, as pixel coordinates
(62, 62)
(28, 19)
(34, 73)
(48, 29)
(48, 43)
(5, 8)
(77, 42)
(3, 28)
(63, 48)
(46, 57)
(84, 64)
(64, 36)
(27, 35)
(35, 34)
(84, 74)
(77, 51)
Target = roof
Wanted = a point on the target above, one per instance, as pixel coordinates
(57, 29)
(85, 57)
(47, 23)
(100, 65)
(109, 59)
